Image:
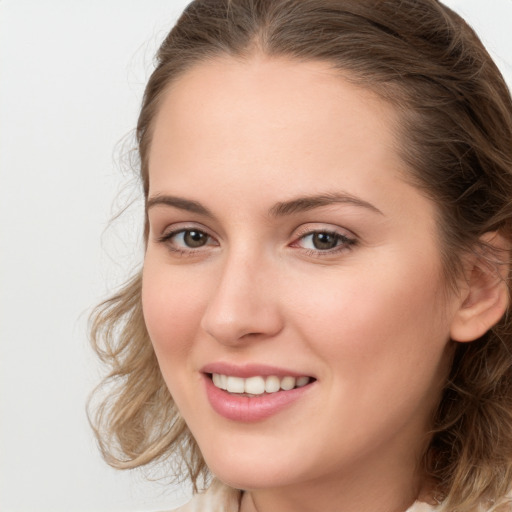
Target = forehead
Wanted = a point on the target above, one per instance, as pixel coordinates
(266, 107)
(272, 129)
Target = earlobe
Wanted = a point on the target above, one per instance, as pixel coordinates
(486, 297)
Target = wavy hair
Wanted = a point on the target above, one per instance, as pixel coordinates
(455, 136)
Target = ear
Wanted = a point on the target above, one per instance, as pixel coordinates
(485, 297)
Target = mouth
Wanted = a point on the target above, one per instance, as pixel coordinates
(254, 392)
(258, 385)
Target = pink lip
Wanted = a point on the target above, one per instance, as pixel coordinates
(251, 409)
(249, 370)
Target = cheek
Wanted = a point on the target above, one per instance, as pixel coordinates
(172, 307)
(384, 344)
(375, 323)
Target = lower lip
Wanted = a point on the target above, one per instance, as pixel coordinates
(250, 409)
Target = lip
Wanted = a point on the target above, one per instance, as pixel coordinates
(250, 370)
(250, 409)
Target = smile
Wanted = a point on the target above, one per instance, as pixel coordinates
(257, 385)
(253, 393)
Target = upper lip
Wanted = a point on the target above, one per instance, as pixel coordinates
(250, 370)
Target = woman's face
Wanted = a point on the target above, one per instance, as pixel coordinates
(286, 251)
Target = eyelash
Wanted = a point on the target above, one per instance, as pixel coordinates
(182, 251)
(344, 243)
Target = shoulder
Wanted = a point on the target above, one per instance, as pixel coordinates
(221, 498)
(420, 506)
(218, 498)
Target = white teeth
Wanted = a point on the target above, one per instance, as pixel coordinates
(220, 381)
(216, 380)
(257, 385)
(235, 385)
(302, 381)
(272, 384)
(288, 383)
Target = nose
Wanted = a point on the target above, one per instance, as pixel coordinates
(244, 304)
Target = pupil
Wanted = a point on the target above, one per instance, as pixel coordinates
(194, 238)
(324, 241)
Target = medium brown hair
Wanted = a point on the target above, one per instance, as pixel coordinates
(455, 136)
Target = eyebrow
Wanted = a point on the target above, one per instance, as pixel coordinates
(302, 204)
(281, 209)
(180, 203)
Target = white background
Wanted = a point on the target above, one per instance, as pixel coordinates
(71, 78)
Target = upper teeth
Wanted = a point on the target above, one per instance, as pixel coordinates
(257, 385)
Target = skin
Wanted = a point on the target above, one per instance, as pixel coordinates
(370, 319)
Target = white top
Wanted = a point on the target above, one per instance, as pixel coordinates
(221, 498)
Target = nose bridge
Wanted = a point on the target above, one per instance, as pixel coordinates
(242, 302)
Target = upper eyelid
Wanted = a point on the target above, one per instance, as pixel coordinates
(173, 232)
(309, 228)
(343, 238)
(324, 231)
(178, 227)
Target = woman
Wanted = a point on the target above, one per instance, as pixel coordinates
(320, 322)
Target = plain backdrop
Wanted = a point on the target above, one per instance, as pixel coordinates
(72, 75)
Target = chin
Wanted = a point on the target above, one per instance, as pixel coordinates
(250, 480)
(251, 472)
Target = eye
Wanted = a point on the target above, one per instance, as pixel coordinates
(186, 240)
(324, 241)
(192, 238)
